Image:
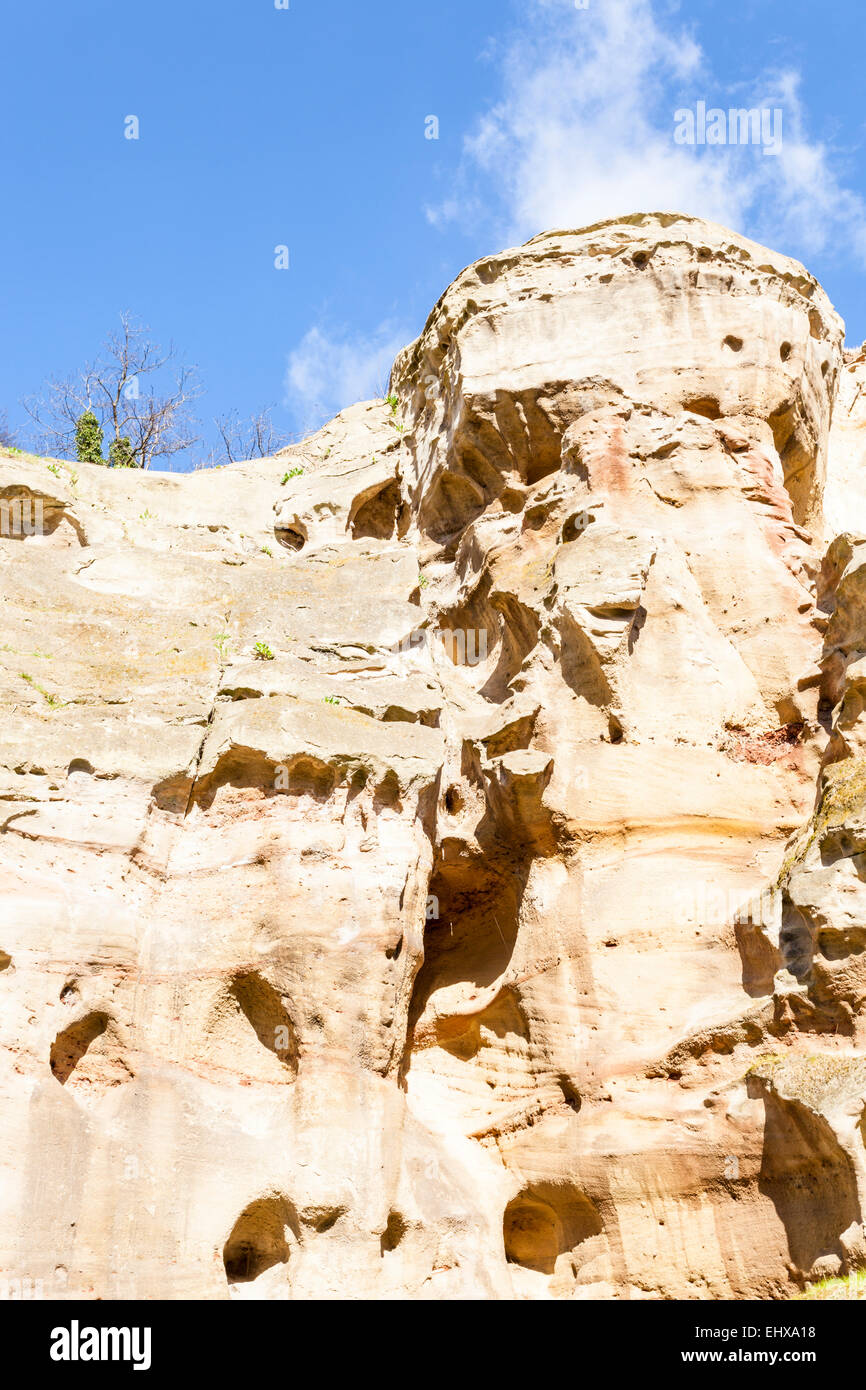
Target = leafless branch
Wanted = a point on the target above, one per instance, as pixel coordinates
(256, 437)
(8, 438)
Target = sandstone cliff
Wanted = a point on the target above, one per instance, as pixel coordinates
(435, 858)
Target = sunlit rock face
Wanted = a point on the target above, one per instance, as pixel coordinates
(661, 310)
(435, 857)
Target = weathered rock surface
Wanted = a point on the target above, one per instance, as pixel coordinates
(435, 858)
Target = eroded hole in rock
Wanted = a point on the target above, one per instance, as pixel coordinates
(259, 1240)
(518, 734)
(393, 1233)
(463, 1037)
(244, 772)
(707, 406)
(266, 1012)
(492, 627)
(450, 506)
(5, 960)
(429, 718)
(479, 885)
(734, 343)
(840, 943)
(533, 1235)
(79, 767)
(798, 456)
(470, 629)
(290, 537)
(535, 518)
(512, 501)
(471, 941)
(501, 434)
(785, 351)
(545, 420)
(70, 1046)
(453, 801)
(307, 777)
(636, 626)
(326, 1219)
(570, 1093)
(759, 957)
(579, 663)
(377, 517)
(25, 514)
(545, 1221)
(481, 458)
(795, 942)
(575, 526)
(386, 795)
(825, 714)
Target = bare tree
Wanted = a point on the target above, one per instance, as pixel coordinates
(8, 438)
(143, 417)
(255, 438)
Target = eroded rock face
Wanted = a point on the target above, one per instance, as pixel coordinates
(416, 883)
(660, 309)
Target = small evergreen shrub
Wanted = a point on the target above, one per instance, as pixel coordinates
(88, 439)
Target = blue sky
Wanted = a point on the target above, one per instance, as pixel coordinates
(306, 127)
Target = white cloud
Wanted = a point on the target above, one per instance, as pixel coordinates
(330, 370)
(584, 131)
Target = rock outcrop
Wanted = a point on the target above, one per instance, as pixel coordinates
(435, 858)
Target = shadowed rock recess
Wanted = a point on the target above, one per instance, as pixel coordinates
(434, 859)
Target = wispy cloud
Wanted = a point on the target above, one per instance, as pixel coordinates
(331, 369)
(584, 130)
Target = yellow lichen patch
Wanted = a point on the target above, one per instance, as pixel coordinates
(843, 795)
(821, 1079)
